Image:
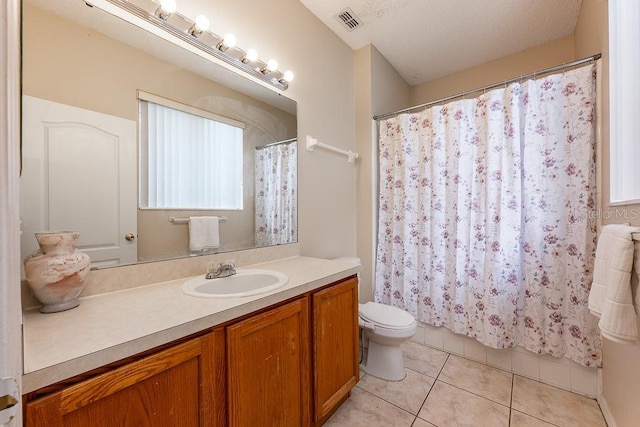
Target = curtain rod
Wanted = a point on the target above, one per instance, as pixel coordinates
(285, 141)
(491, 86)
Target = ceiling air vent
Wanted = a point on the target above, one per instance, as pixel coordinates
(349, 19)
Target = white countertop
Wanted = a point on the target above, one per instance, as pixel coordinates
(112, 326)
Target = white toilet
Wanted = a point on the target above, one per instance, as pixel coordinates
(385, 329)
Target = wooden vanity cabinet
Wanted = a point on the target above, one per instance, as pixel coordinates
(174, 387)
(268, 368)
(335, 346)
(289, 365)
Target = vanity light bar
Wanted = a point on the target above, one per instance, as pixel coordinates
(259, 70)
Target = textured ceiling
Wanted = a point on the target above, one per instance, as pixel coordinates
(427, 39)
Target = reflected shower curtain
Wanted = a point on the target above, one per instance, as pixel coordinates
(276, 195)
(486, 216)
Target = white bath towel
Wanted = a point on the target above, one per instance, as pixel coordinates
(204, 233)
(610, 297)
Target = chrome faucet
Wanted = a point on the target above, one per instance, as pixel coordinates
(225, 269)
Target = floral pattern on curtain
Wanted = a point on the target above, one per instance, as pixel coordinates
(486, 216)
(276, 195)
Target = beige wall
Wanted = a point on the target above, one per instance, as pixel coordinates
(73, 65)
(379, 88)
(620, 376)
(534, 59)
(365, 186)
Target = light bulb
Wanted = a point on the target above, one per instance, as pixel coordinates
(250, 56)
(167, 7)
(272, 65)
(288, 76)
(229, 41)
(202, 23)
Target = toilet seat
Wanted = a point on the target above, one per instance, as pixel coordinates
(386, 316)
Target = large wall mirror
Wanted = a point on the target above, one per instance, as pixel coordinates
(90, 83)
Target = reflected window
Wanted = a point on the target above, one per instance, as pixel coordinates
(189, 158)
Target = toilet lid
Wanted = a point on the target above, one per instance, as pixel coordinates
(386, 315)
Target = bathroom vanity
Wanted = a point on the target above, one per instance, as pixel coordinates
(288, 357)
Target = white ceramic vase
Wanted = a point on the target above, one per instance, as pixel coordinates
(56, 273)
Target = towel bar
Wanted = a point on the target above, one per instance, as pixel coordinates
(312, 143)
(186, 220)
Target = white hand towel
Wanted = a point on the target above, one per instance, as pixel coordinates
(610, 297)
(203, 233)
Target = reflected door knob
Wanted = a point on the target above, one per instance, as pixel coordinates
(130, 237)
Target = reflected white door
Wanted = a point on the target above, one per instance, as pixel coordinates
(79, 173)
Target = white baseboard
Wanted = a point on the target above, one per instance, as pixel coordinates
(606, 412)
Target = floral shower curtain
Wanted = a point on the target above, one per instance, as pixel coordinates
(485, 216)
(276, 195)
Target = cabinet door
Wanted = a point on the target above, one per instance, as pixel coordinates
(335, 350)
(174, 387)
(269, 368)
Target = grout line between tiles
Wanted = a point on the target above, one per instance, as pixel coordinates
(511, 399)
(561, 389)
(488, 365)
(475, 394)
(431, 389)
(510, 371)
(442, 367)
(556, 387)
(539, 419)
(420, 373)
(391, 403)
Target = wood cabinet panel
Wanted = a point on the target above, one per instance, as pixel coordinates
(172, 387)
(335, 345)
(168, 398)
(268, 368)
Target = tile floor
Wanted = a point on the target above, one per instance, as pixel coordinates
(443, 389)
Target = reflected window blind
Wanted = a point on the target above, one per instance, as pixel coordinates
(191, 162)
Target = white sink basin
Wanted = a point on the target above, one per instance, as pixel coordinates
(242, 284)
